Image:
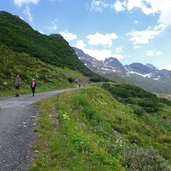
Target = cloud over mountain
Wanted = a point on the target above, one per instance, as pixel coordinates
(25, 2)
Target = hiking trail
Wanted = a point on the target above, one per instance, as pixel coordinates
(17, 124)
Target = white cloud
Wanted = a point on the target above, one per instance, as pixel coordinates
(148, 7)
(80, 44)
(144, 37)
(165, 9)
(162, 7)
(153, 53)
(28, 13)
(22, 2)
(101, 39)
(68, 36)
(53, 28)
(101, 54)
(96, 53)
(50, 28)
(131, 4)
(118, 6)
(98, 5)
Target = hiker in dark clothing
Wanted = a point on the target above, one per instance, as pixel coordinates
(79, 83)
(17, 85)
(33, 86)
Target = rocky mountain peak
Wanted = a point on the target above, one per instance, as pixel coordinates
(115, 63)
(141, 68)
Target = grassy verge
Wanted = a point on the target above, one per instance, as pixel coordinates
(88, 129)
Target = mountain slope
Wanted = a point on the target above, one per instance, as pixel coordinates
(95, 65)
(114, 63)
(88, 129)
(53, 49)
(48, 77)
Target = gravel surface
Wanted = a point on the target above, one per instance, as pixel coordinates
(17, 124)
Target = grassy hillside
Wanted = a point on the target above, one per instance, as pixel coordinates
(114, 128)
(48, 77)
(53, 49)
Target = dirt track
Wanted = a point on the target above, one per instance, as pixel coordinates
(17, 136)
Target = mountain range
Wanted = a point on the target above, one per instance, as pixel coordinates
(146, 76)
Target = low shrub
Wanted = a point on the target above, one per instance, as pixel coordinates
(129, 94)
(139, 111)
(149, 106)
(71, 80)
(89, 112)
(165, 101)
(134, 158)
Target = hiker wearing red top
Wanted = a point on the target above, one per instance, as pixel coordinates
(33, 86)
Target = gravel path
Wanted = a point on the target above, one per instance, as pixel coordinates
(17, 136)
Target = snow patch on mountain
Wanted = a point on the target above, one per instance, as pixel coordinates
(113, 65)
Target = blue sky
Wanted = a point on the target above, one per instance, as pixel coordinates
(130, 30)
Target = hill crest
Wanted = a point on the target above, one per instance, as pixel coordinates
(53, 49)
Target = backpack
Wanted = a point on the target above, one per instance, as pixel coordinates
(17, 83)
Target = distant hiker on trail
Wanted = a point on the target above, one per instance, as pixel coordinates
(17, 85)
(79, 83)
(33, 86)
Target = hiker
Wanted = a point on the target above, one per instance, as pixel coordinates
(79, 83)
(33, 86)
(17, 85)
